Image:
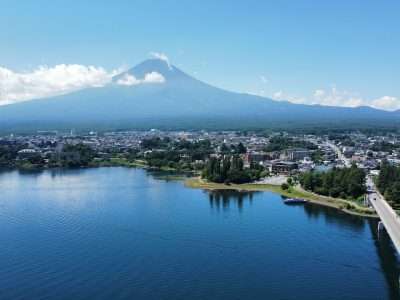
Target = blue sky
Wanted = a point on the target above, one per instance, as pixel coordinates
(330, 52)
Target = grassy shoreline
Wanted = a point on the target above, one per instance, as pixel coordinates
(340, 204)
(346, 206)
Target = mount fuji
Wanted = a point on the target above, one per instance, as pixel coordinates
(157, 94)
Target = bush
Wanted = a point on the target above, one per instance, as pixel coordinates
(284, 186)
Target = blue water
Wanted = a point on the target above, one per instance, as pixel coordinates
(117, 233)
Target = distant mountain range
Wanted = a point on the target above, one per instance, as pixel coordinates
(155, 94)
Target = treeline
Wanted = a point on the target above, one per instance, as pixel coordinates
(384, 146)
(388, 183)
(341, 129)
(279, 143)
(69, 156)
(230, 169)
(167, 143)
(73, 156)
(167, 159)
(176, 154)
(181, 155)
(317, 156)
(347, 183)
(233, 149)
(8, 155)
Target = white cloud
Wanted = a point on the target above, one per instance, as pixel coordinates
(319, 93)
(50, 81)
(161, 56)
(128, 80)
(281, 96)
(260, 93)
(278, 95)
(336, 97)
(386, 102)
(61, 79)
(152, 77)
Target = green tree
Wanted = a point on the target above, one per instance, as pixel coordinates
(344, 183)
(284, 186)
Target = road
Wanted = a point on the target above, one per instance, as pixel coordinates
(339, 154)
(388, 216)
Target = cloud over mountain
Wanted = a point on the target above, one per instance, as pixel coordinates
(342, 98)
(161, 56)
(157, 95)
(152, 77)
(47, 81)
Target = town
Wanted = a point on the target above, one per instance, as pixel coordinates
(278, 153)
(277, 158)
(269, 158)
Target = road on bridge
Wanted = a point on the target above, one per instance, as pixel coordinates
(388, 216)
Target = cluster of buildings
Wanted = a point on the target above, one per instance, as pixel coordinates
(368, 152)
(365, 151)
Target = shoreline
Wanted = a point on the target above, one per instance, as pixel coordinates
(346, 206)
(112, 162)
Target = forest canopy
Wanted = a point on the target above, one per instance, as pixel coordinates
(347, 183)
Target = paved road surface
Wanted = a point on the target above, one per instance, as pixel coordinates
(339, 153)
(387, 215)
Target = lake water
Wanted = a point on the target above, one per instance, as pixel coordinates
(118, 233)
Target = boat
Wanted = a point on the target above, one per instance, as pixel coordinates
(294, 201)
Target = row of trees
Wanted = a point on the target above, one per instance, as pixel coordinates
(384, 146)
(233, 149)
(279, 143)
(70, 156)
(388, 183)
(166, 153)
(344, 183)
(317, 156)
(73, 156)
(8, 154)
(230, 169)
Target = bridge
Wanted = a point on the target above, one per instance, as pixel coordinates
(389, 218)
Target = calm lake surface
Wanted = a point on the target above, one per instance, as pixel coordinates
(118, 233)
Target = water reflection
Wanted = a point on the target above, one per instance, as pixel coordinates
(334, 216)
(53, 173)
(32, 172)
(388, 258)
(70, 226)
(167, 175)
(62, 172)
(224, 198)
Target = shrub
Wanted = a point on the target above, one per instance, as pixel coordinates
(284, 186)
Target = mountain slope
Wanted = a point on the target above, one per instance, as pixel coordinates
(178, 100)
